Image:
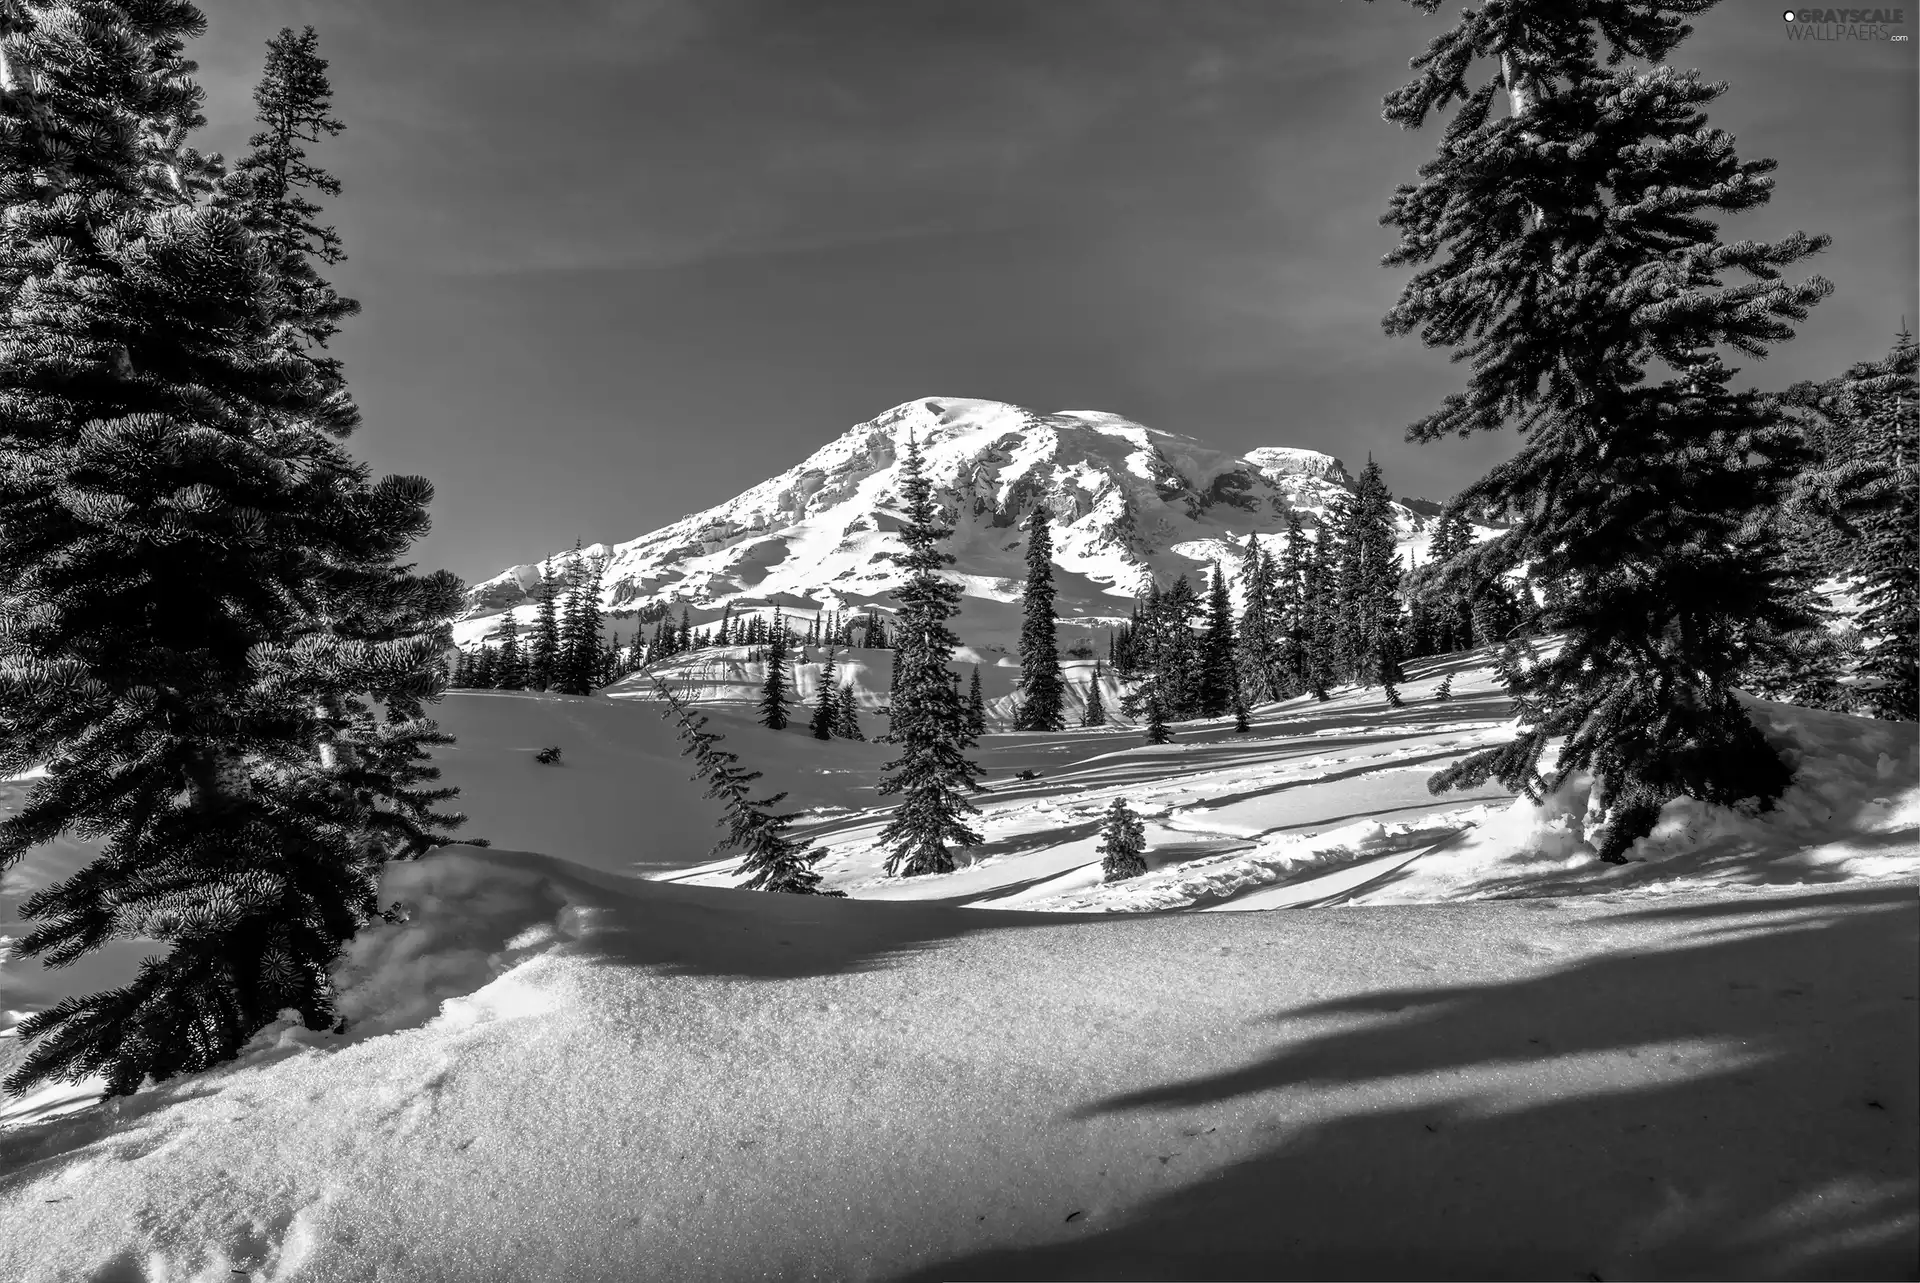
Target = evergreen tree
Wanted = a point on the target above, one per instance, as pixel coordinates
(1242, 721)
(976, 708)
(773, 858)
(932, 772)
(1378, 633)
(1291, 611)
(1318, 627)
(1444, 691)
(1566, 251)
(846, 722)
(509, 669)
(1261, 644)
(1123, 843)
(1215, 691)
(482, 676)
(773, 689)
(198, 588)
(1042, 689)
(460, 673)
(543, 657)
(1157, 732)
(1865, 499)
(1176, 651)
(1096, 714)
(268, 190)
(826, 701)
(579, 659)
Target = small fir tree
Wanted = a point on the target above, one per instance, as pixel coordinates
(1123, 843)
(772, 858)
(773, 688)
(846, 720)
(976, 708)
(509, 668)
(1096, 714)
(826, 701)
(1157, 732)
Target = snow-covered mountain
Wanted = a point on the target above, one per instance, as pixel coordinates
(1128, 501)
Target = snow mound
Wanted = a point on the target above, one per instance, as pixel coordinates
(553, 1072)
(1852, 813)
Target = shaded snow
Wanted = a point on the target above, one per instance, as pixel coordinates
(553, 1072)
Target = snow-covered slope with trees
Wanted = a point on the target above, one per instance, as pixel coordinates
(1127, 501)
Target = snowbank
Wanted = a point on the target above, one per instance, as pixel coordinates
(1852, 813)
(557, 1073)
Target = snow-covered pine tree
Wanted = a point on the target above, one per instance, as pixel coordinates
(1042, 689)
(1096, 714)
(976, 708)
(826, 701)
(198, 707)
(773, 859)
(1565, 250)
(846, 719)
(543, 654)
(1215, 690)
(932, 773)
(509, 667)
(1123, 843)
(773, 688)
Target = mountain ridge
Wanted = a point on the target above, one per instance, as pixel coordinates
(1128, 501)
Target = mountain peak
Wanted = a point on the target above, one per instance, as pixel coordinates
(1128, 501)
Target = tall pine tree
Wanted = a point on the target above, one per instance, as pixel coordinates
(577, 663)
(509, 668)
(198, 589)
(1568, 251)
(1216, 689)
(1042, 690)
(932, 773)
(543, 655)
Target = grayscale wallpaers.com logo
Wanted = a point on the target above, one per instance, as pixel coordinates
(1845, 24)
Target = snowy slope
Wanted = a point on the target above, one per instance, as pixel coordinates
(551, 1073)
(1127, 501)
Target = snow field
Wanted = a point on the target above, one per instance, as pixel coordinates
(552, 1072)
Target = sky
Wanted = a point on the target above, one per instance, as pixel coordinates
(620, 260)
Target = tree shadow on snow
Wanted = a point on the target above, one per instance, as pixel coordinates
(1739, 1103)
